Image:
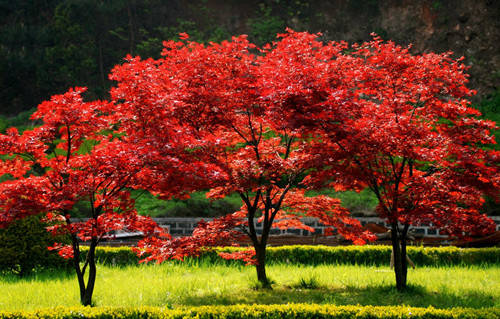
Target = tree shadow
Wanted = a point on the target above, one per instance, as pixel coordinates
(383, 295)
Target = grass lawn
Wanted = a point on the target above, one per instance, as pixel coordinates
(190, 285)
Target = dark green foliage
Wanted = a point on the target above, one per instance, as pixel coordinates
(297, 311)
(490, 107)
(21, 120)
(4, 123)
(490, 207)
(314, 255)
(359, 204)
(367, 6)
(265, 26)
(48, 46)
(113, 256)
(23, 247)
(199, 206)
(195, 206)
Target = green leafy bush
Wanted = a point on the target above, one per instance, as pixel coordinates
(23, 247)
(296, 311)
(315, 255)
(380, 255)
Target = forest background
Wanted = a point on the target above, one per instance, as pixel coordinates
(47, 46)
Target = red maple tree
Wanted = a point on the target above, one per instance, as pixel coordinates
(397, 123)
(66, 160)
(214, 95)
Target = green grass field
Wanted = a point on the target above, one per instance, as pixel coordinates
(191, 285)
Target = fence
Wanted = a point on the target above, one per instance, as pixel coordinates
(183, 226)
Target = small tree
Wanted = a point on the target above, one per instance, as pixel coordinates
(213, 94)
(67, 160)
(397, 123)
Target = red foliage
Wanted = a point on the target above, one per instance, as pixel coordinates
(71, 158)
(248, 256)
(67, 160)
(397, 123)
(219, 232)
(216, 96)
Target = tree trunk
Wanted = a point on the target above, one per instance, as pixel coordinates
(76, 266)
(86, 290)
(261, 266)
(399, 252)
(86, 299)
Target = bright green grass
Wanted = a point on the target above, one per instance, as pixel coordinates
(183, 285)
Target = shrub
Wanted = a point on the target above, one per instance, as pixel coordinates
(309, 255)
(315, 255)
(297, 311)
(23, 247)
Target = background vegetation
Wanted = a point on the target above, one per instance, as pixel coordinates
(48, 46)
(376, 255)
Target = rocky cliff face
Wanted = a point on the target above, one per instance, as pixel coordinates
(468, 28)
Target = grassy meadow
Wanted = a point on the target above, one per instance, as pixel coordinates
(192, 284)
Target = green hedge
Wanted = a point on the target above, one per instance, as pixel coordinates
(23, 247)
(260, 311)
(351, 255)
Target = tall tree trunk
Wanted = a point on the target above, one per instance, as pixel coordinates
(260, 254)
(399, 252)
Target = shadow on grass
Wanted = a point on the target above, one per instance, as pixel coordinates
(384, 295)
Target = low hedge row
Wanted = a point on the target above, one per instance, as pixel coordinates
(314, 255)
(295, 311)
